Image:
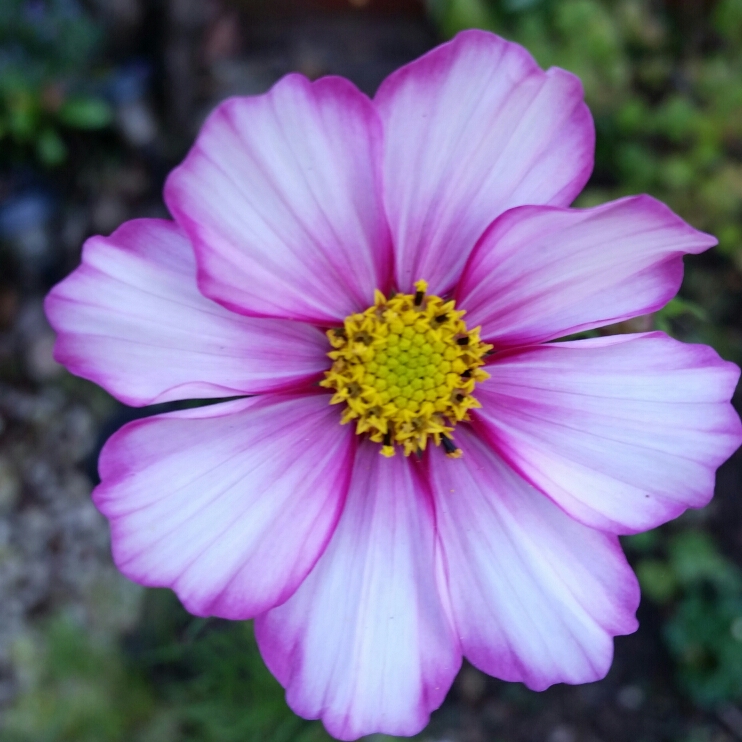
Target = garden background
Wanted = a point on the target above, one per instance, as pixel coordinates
(98, 100)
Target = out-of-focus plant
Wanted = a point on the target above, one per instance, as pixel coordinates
(700, 592)
(183, 679)
(213, 679)
(45, 52)
(75, 688)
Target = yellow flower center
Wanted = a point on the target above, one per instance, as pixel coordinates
(406, 368)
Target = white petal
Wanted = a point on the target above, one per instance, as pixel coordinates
(364, 643)
(623, 434)
(471, 130)
(229, 505)
(536, 596)
(281, 197)
(131, 319)
(541, 273)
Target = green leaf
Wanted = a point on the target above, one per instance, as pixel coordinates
(677, 307)
(657, 580)
(702, 636)
(695, 558)
(85, 113)
(50, 148)
(23, 120)
(642, 542)
(457, 15)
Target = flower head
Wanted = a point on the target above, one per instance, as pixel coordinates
(401, 265)
(406, 369)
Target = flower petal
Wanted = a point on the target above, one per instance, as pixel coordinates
(280, 196)
(472, 129)
(364, 642)
(623, 433)
(536, 596)
(540, 273)
(131, 319)
(229, 505)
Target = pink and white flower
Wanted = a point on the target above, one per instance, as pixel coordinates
(369, 577)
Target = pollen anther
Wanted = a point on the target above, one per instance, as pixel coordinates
(406, 369)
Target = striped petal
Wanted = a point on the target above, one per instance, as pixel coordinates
(131, 319)
(364, 643)
(281, 197)
(229, 505)
(472, 129)
(623, 433)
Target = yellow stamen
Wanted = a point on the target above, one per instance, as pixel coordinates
(406, 369)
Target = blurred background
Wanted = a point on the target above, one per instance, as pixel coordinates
(98, 100)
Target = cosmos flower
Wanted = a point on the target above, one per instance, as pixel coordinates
(412, 470)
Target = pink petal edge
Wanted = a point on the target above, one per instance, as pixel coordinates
(624, 434)
(472, 129)
(536, 596)
(229, 505)
(131, 319)
(281, 197)
(365, 643)
(541, 273)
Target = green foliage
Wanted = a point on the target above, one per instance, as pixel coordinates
(184, 679)
(705, 638)
(701, 592)
(704, 632)
(213, 678)
(676, 308)
(45, 52)
(85, 113)
(77, 689)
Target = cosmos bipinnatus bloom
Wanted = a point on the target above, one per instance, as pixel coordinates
(416, 468)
